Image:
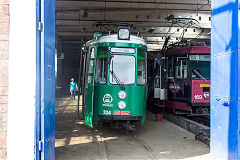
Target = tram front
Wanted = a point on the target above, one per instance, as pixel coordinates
(120, 81)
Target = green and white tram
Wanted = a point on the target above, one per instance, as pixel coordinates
(115, 80)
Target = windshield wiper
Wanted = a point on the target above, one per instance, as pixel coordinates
(199, 75)
(117, 80)
(109, 57)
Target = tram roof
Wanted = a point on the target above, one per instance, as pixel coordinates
(113, 38)
(189, 50)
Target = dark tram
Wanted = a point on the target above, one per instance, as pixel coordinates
(188, 78)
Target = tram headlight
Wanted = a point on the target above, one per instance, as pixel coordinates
(206, 95)
(122, 95)
(123, 33)
(121, 105)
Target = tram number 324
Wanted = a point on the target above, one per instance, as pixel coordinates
(198, 97)
(106, 112)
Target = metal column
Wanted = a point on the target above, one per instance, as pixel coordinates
(225, 80)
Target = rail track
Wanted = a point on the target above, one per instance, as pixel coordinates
(104, 150)
(147, 148)
(102, 147)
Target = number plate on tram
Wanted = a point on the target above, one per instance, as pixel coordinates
(121, 112)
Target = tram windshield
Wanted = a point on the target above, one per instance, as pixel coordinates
(200, 66)
(123, 66)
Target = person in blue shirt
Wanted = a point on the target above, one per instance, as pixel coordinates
(73, 89)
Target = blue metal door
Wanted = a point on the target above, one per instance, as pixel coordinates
(225, 80)
(45, 96)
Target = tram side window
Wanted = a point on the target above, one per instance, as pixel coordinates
(184, 69)
(101, 71)
(91, 63)
(141, 66)
(141, 72)
(170, 67)
(181, 69)
(177, 70)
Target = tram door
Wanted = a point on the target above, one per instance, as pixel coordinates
(89, 87)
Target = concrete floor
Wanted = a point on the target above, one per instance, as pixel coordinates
(76, 141)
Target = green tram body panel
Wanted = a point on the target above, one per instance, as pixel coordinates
(101, 100)
(135, 101)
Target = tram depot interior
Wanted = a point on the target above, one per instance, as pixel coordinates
(163, 24)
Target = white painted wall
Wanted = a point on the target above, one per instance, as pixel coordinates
(22, 80)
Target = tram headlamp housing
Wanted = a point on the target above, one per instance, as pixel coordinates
(123, 33)
(122, 95)
(206, 95)
(121, 105)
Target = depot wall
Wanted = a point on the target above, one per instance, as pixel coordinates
(4, 41)
(22, 80)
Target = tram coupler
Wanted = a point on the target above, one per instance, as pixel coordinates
(129, 126)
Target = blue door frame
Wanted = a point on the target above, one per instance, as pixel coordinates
(225, 80)
(45, 85)
(38, 84)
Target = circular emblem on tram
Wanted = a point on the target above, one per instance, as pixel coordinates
(107, 98)
(206, 95)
